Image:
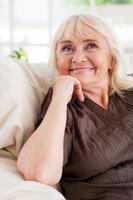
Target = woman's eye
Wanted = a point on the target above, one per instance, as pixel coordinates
(68, 49)
(91, 46)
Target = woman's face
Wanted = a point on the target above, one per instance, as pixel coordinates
(87, 59)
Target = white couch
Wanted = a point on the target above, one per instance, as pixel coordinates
(22, 89)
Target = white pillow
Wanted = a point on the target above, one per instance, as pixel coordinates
(22, 89)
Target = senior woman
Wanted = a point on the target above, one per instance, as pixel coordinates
(84, 134)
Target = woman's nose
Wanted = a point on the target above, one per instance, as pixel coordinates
(79, 57)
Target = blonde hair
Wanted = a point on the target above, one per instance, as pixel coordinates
(76, 26)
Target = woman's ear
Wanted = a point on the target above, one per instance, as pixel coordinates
(112, 62)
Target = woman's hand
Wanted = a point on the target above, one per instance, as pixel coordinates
(65, 86)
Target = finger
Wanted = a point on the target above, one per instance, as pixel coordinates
(79, 91)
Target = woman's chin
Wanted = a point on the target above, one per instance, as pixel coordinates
(84, 78)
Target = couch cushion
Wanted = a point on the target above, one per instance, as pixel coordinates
(22, 89)
(14, 187)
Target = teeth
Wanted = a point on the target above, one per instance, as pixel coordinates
(76, 70)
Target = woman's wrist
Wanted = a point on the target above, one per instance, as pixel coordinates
(59, 100)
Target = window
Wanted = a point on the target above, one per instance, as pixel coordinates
(119, 13)
(31, 24)
(25, 24)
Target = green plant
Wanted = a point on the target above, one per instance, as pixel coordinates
(20, 54)
(100, 2)
(121, 1)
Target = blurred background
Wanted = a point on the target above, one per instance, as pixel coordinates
(28, 25)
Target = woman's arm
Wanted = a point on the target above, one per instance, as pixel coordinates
(41, 158)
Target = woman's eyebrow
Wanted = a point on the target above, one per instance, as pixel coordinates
(90, 40)
(84, 41)
(65, 41)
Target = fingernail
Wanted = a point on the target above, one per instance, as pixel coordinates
(82, 98)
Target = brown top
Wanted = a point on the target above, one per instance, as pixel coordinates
(98, 149)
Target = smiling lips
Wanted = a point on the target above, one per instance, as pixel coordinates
(80, 69)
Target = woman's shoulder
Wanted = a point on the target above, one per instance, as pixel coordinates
(44, 107)
(48, 96)
(47, 100)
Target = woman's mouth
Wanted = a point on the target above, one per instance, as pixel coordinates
(80, 69)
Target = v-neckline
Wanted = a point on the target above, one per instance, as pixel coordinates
(117, 108)
(107, 115)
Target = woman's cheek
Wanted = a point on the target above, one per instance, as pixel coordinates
(63, 71)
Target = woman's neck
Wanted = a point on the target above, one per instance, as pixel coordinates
(99, 96)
